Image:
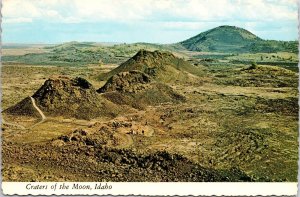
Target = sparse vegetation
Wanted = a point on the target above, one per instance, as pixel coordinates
(210, 116)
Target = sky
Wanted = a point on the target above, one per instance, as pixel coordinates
(153, 21)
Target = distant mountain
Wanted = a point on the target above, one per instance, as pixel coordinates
(235, 39)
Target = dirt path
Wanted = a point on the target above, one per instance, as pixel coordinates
(40, 112)
(22, 127)
(38, 109)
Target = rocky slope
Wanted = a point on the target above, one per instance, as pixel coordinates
(138, 90)
(162, 66)
(75, 162)
(66, 97)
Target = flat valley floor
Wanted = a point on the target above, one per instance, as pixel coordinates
(236, 124)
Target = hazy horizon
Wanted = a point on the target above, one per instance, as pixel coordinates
(104, 42)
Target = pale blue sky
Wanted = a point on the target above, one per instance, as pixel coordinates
(155, 21)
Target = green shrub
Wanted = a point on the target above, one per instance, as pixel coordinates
(253, 66)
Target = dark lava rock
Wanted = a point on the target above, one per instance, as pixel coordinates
(138, 90)
(131, 81)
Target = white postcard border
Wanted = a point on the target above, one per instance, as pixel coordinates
(149, 188)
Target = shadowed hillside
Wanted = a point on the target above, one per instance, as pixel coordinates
(23, 108)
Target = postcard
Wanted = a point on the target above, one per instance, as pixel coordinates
(149, 97)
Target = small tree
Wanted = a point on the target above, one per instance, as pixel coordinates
(253, 66)
(100, 62)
